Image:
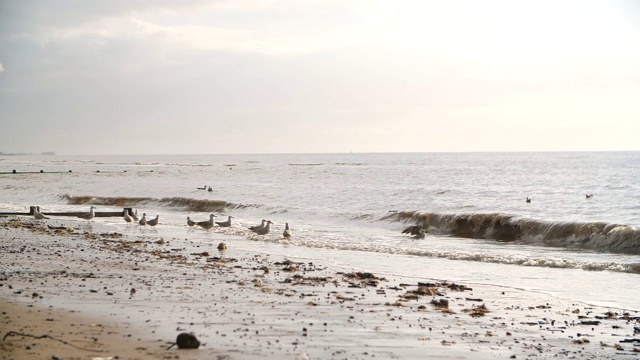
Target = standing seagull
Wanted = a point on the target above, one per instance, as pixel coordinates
(225, 223)
(143, 221)
(265, 230)
(190, 222)
(153, 222)
(207, 225)
(88, 216)
(258, 227)
(127, 217)
(287, 232)
(135, 215)
(38, 215)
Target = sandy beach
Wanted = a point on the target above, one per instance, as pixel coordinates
(101, 295)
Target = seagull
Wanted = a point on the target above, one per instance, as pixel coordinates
(589, 196)
(88, 216)
(528, 200)
(287, 231)
(127, 217)
(153, 222)
(225, 223)
(135, 215)
(415, 230)
(143, 221)
(206, 224)
(265, 230)
(38, 215)
(203, 188)
(258, 227)
(209, 189)
(190, 222)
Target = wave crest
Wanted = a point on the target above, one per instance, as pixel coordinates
(598, 236)
(189, 204)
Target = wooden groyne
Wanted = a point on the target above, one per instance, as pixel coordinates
(60, 172)
(71, 213)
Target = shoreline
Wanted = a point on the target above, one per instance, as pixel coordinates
(246, 305)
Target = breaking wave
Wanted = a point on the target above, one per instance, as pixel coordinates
(598, 236)
(188, 204)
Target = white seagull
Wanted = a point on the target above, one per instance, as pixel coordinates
(287, 232)
(258, 227)
(127, 217)
(153, 222)
(38, 215)
(225, 223)
(206, 224)
(88, 216)
(265, 230)
(143, 221)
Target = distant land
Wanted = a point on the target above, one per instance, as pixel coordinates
(15, 154)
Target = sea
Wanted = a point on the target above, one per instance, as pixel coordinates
(577, 238)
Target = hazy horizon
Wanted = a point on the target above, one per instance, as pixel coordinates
(319, 76)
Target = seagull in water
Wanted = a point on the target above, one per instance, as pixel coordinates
(416, 230)
(287, 232)
(88, 216)
(589, 196)
(225, 223)
(258, 227)
(207, 225)
(153, 222)
(265, 230)
(528, 200)
(143, 221)
(38, 215)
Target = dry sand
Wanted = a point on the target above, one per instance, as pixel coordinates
(105, 295)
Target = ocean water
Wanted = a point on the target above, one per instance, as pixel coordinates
(349, 210)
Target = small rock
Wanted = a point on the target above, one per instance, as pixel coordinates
(187, 341)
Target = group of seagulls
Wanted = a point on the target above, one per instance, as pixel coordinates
(263, 229)
(130, 218)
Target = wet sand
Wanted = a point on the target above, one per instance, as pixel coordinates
(99, 295)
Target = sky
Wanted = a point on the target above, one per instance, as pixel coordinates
(318, 76)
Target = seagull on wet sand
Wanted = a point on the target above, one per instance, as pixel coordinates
(154, 221)
(38, 215)
(287, 232)
(258, 227)
(207, 225)
(225, 223)
(135, 215)
(265, 230)
(88, 216)
(416, 230)
(190, 222)
(127, 217)
(143, 221)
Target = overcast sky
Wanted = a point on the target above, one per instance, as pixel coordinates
(250, 76)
